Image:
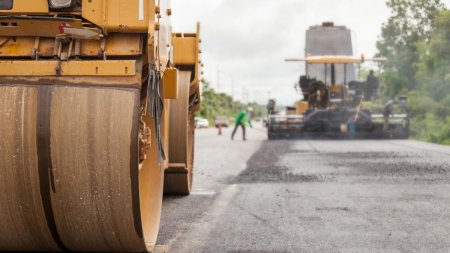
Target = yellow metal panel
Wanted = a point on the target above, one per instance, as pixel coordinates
(90, 48)
(198, 63)
(30, 27)
(68, 68)
(335, 88)
(333, 59)
(301, 108)
(117, 44)
(92, 10)
(126, 15)
(46, 47)
(98, 68)
(27, 68)
(118, 15)
(170, 83)
(28, 6)
(21, 46)
(184, 52)
(187, 54)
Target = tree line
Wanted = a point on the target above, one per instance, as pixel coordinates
(416, 41)
(221, 104)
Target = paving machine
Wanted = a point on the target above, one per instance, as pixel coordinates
(92, 95)
(333, 99)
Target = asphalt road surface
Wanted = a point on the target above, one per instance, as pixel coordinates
(311, 196)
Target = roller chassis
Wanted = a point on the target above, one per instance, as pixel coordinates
(85, 100)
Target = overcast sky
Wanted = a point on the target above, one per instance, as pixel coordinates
(246, 41)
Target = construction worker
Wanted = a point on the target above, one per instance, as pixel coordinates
(242, 119)
(271, 107)
(387, 112)
(373, 83)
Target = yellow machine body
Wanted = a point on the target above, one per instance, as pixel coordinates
(178, 178)
(301, 108)
(111, 15)
(119, 28)
(68, 68)
(170, 81)
(27, 7)
(186, 56)
(84, 101)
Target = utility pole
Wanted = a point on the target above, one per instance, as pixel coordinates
(233, 101)
(245, 95)
(218, 80)
(218, 91)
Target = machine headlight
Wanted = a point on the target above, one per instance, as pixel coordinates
(59, 4)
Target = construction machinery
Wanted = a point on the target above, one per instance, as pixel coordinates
(333, 102)
(89, 112)
(179, 176)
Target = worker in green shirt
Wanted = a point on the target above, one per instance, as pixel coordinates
(242, 119)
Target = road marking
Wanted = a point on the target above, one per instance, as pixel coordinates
(205, 193)
(141, 9)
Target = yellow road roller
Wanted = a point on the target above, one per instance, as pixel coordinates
(88, 108)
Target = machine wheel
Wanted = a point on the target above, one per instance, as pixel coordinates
(70, 173)
(179, 176)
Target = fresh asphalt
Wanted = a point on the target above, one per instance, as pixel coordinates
(311, 196)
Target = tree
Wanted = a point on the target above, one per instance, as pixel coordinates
(411, 22)
(415, 41)
(220, 104)
(434, 63)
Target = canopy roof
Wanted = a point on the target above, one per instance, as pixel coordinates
(337, 59)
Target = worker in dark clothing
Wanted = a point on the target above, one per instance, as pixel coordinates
(271, 107)
(242, 119)
(387, 113)
(373, 84)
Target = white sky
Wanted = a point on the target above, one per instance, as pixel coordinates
(248, 40)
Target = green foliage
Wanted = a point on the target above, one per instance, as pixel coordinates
(416, 42)
(421, 104)
(432, 128)
(434, 63)
(220, 104)
(412, 21)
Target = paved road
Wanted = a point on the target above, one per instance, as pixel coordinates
(311, 196)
